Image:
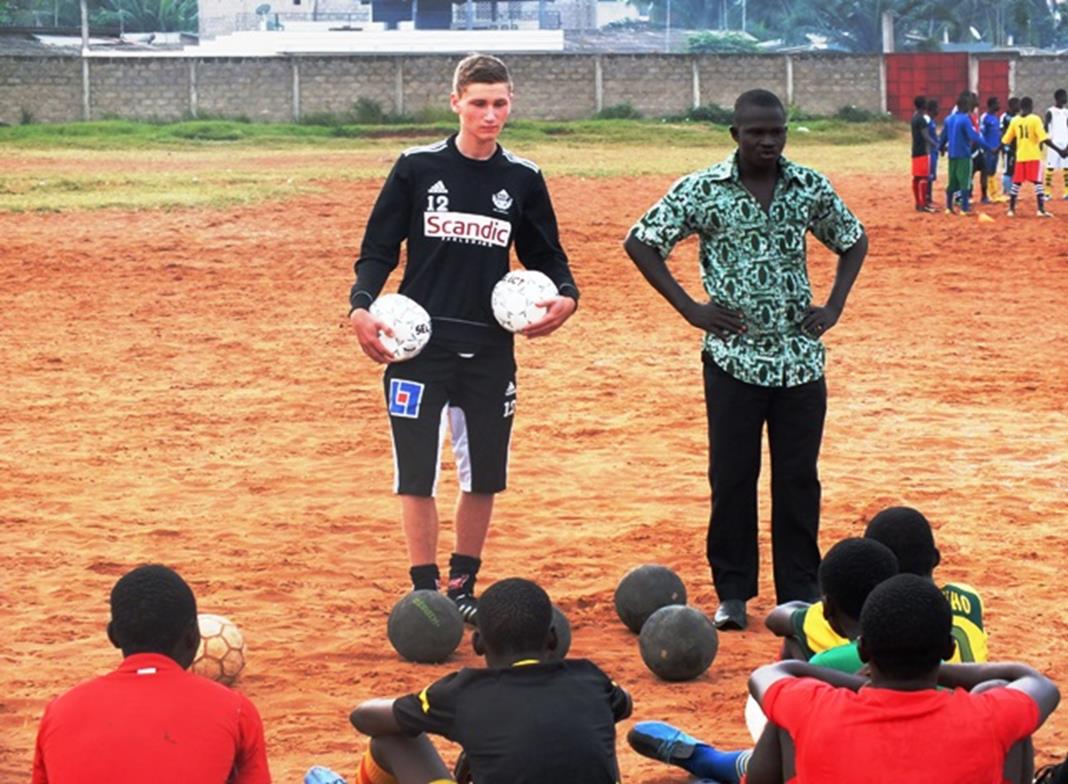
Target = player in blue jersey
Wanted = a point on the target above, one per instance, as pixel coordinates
(957, 137)
(990, 130)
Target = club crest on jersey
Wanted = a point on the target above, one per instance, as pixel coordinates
(502, 200)
(405, 397)
(467, 227)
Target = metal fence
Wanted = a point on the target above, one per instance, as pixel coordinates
(277, 21)
(505, 15)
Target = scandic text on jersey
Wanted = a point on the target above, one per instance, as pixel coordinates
(467, 227)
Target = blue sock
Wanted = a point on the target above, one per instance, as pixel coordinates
(710, 763)
(965, 197)
(949, 199)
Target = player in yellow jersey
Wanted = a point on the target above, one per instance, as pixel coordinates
(908, 534)
(1030, 135)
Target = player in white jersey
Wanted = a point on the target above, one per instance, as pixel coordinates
(1057, 128)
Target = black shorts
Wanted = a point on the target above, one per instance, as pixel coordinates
(474, 395)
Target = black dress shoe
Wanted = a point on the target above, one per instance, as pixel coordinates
(730, 615)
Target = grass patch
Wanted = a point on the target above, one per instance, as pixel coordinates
(127, 135)
(215, 163)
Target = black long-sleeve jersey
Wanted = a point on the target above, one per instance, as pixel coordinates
(460, 217)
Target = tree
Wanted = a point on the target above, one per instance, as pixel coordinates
(148, 16)
(40, 13)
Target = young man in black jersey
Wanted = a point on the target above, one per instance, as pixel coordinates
(460, 205)
(526, 718)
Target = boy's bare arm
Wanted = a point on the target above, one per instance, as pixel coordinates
(1019, 676)
(780, 620)
(763, 678)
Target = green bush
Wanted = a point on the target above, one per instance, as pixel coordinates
(711, 113)
(621, 111)
(631, 25)
(850, 113)
(208, 131)
(712, 41)
(367, 111)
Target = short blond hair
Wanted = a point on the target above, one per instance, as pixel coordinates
(479, 69)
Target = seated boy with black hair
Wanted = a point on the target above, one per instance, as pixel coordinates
(908, 534)
(900, 726)
(523, 718)
(848, 573)
(150, 719)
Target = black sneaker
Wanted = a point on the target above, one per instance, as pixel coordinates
(467, 604)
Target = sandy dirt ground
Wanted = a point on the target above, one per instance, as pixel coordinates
(183, 387)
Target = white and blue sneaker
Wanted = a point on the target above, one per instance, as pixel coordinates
(320, 775)
(660, 741)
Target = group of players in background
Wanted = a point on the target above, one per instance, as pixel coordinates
(974, 143)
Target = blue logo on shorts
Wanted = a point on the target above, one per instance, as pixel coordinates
(404, 398)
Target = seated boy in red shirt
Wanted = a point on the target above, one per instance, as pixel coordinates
(848, 574)
(525, 718)
(151, 720)
(900, 726)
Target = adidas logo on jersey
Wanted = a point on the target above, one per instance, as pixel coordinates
(438, 187)
(511, 389)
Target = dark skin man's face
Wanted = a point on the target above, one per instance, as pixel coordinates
(760, 133)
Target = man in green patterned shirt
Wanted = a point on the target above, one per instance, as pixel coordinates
(763, 355)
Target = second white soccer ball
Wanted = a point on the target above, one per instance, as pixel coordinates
(409, 321)
(516, 295)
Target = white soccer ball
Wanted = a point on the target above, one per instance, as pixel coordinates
(516, 295)
(221, 654)
(409, 321)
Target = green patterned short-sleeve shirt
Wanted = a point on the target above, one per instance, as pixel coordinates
(755, 262)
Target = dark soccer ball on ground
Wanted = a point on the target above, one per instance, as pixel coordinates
(678, 643)
(644, 590)
(425, 627)
(563, 634)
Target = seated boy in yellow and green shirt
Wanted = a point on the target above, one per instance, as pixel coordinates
(908, 534)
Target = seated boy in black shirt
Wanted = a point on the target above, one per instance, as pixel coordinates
(523, 718)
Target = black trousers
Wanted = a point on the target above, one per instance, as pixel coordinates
(737, 413)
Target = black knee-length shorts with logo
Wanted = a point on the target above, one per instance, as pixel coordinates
(473, 395)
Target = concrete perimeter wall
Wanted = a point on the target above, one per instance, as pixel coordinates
(1039, 77)
(548, 86)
